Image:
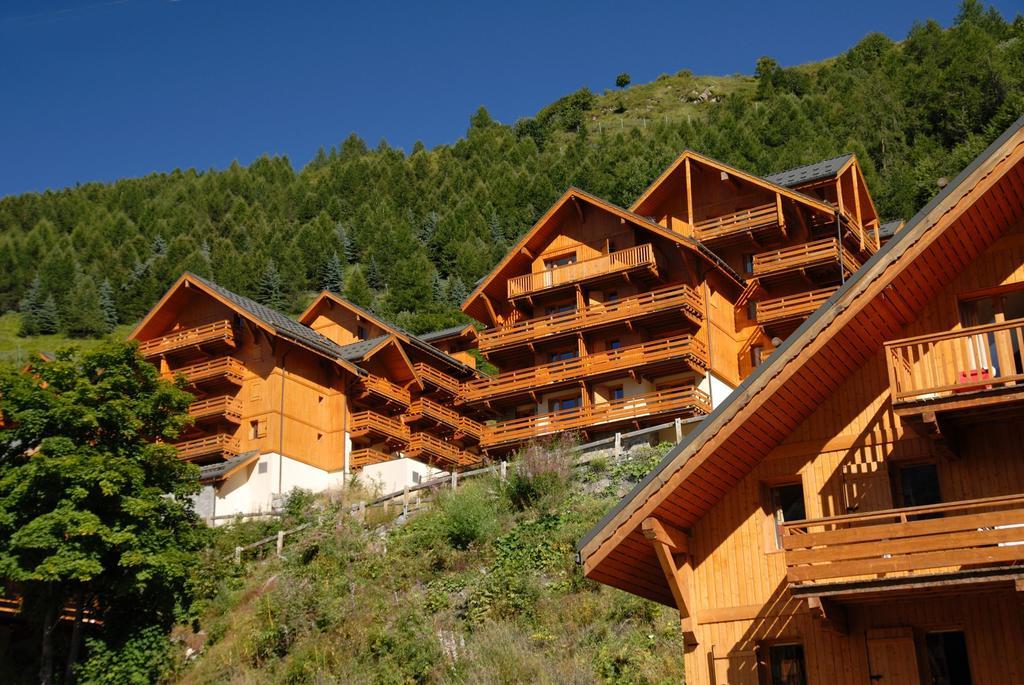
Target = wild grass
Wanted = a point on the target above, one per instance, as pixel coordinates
(17, 350)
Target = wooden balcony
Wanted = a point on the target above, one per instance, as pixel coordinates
(683, 348)
(369, 426)
(378, 390)
(867, 240)
(788, 312)
(744, 225)
(209, 448)
(470, 429)
(426, 447)
(683, 401)
(437, 380)
(818, 259)
(223, 370)
(915, 548)
(423, 410)
(638, 258)
(219, 408)
(209, 338)
(676, 299)
(357, 459)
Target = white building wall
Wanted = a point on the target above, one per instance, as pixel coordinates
(392, 476)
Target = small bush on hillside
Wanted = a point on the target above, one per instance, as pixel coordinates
(639, 463)
(469, 515)
(145, 657)
(541, 471)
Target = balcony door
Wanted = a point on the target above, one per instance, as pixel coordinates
(997, 353)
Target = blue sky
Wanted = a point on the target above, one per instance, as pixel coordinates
(104, 89)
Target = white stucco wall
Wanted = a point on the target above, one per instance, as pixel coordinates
(391, 476)
(717, 388)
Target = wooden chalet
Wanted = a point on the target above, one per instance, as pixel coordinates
(602, 318)
(854, 511)
(281, 404)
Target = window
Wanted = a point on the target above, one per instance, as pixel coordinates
(254, 430)
(748, 263)
(562, 356)
(756, 353)
(1003, 348)
(614, 344)
(787, 504)
(361, 333)
(416, 478)
(263, 467)
(751, 311)
(611, 296)
(784, 665)
(560, 308)
(616, 393)
(556, 262)
(564, 403)
(917, 485)
(947, 658)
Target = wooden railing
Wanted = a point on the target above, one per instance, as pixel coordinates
(684, 400)
(624, 260)
(680, 298)
(683, 347)
(805, 255)
(867, 239)
(219, 407)
(937, 538)
(968, 359)
(357, 459)
(385, 389)
(792, 306)
(743, 221)
(470, 428)
(364, 424)
(220, 444)
(423, 408)
(216, 332)
(222, 368)
(437, 378)
(427, 447)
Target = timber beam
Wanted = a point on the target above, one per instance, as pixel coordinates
(828, 615)
(672, 546)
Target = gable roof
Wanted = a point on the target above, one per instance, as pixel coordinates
(826, 168)
(270, 319)
(446, 333)
(642, 222)
(398, 332)
(874, 305)
(353, 352)
(889, 228)
(212, 473)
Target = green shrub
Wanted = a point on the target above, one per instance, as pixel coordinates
(469, 515)
(145, 657)
(540, 473)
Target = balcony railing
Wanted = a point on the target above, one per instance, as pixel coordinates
(470, 429)
(437, 378)
(368, 425)
(218, 334)
(937, 538)
(222, 369)
(384, 390)
(218, 445)
(682, 347)
(423, 409)
(426, 447)
(628, 259)
(966, 360)
(222, 407)
(804, 256)
(681, 298)
(737, 224)
(686, 400)
(866, 239)
(357, 459)
(799, 306)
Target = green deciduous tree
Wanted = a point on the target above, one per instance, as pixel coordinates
(622, 80)
(94, 504)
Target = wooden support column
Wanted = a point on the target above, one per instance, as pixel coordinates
(673, 549)
(779, 216)
(689, 194)
(856, 205)
(490, 309)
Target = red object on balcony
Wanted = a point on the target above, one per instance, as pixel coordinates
(973, 380)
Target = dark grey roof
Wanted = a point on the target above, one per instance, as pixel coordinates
(357, 350)
(282, 325)
(441, 334)
(889, 228)
(779, 356)
(212, 472)
(826, 168)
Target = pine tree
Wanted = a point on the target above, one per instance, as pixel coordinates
(84, 317)
(357, 290)
(30, 308)
(332, 277)
(457, 291)
(269, 290)
(108, 306)
(374, 277)
(437, 288)
(428, 227)
(159, 246)
(348, 246)
(49, 316)
(494, 227)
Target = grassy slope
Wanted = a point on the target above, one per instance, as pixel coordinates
(472, 590)
(15, 349)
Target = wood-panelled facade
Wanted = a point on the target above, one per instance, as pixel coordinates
(599, 314)
(856, 513)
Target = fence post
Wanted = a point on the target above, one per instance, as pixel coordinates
(405, 501)
(679, 429)
(280, 543)
(455, 479)
(618, 445)
(503, 471)
(238, 555)
(361, 512)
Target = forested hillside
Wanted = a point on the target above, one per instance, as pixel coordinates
(409, 233)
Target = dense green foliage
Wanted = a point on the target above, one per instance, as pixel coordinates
(478, 587)
(412, 232)
(95, 512)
